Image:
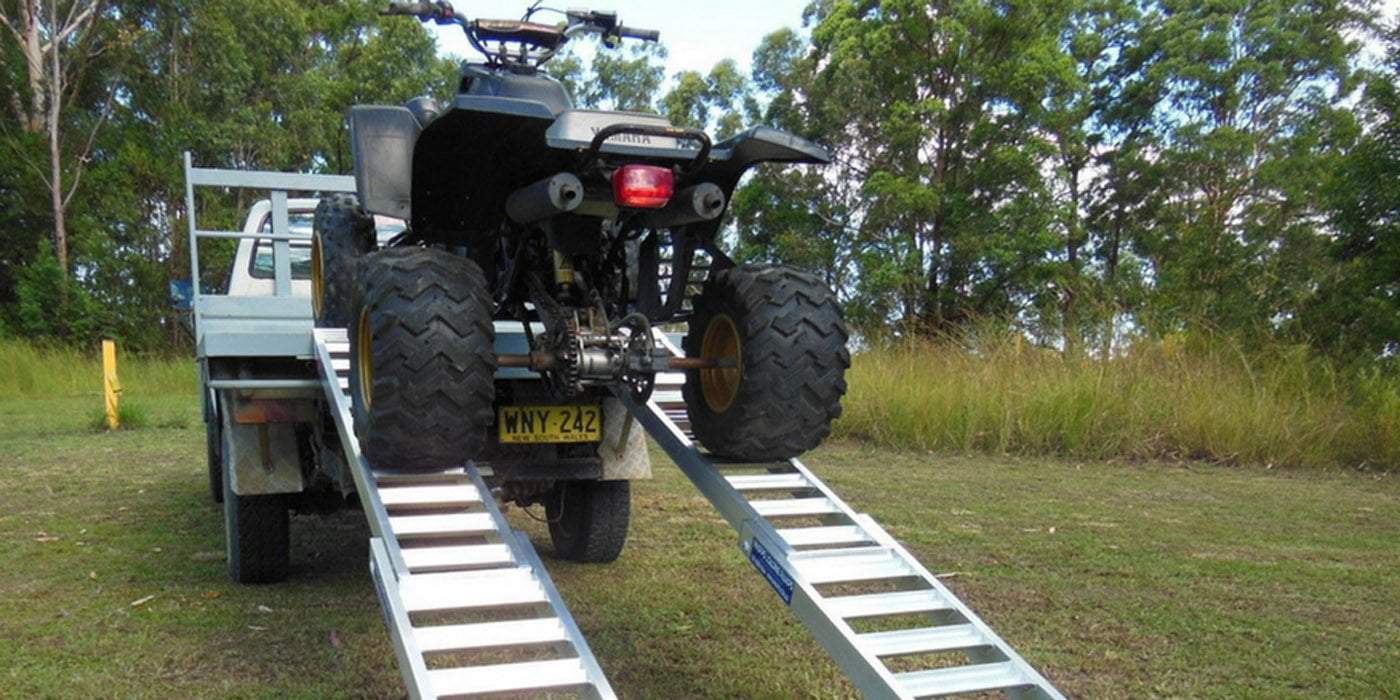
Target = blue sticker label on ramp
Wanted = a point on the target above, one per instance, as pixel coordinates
(771, 570)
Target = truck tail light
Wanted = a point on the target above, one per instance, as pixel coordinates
(643, 187)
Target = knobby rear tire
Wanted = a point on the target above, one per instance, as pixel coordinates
(792, 360)
(427, 400)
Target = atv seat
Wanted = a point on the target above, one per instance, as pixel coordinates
(541, 35)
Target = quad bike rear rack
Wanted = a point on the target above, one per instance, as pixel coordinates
(440, 546)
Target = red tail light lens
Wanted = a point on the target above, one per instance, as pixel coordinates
(643, 187)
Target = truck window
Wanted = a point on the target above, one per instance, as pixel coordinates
(298, 224)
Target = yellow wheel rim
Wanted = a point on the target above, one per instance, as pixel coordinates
(318, 280)
(720, 387)
(365, 357)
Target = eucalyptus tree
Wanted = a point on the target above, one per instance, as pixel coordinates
(1250, 96)
(56, 42)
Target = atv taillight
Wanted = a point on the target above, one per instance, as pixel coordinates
(643, 187)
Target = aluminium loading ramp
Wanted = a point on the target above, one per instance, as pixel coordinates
(839, 570)
(440, 545)
(461, 591)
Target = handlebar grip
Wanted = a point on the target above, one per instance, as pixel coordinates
(642, 34)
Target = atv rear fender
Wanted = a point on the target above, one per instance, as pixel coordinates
(382, 140)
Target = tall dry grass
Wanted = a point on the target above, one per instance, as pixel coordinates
(31, 371)
(1175, 399)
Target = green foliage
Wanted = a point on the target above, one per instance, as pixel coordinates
(49, 306)
(1249, 106)
(626, 79)
(1081, 167)
(931, 110)
(704, 101)
(1355, 312)
(1185, 397)
(263, 84)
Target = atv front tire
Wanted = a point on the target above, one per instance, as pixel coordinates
(422, 359)
(588, 520)
(783, 341)
(342, 233)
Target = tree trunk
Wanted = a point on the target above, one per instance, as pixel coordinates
(60, 224)
(1069, 311)
(1115, 247)
(34, 61)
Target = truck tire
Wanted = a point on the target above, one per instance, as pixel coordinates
(422, 359)
(257, 537)
(342, 233)
(588, 520)
(214, 443)
(783, 334)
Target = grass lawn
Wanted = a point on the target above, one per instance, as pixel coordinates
(1116, 580)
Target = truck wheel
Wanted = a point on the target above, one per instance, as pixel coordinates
(422, 359)
(342, 233)
(588, 520)
(214, 442)
(257, 536)
(782, 335)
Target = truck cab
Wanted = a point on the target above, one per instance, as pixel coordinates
(254, 269)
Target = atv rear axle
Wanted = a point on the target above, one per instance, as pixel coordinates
(543, 361)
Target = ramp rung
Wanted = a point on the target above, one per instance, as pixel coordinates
(879, 604)
(446, 639)
(795, 507)
(824, 536)
(668, 396)
(454, 525)
(341, 366)
(449, 476)
(438, 496)
(436, 559)
(850, 565)
(770, 482)
(489, 589)
(921, 641)
(504, 678)
(961, 679)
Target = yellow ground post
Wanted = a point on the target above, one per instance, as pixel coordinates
(111, 386)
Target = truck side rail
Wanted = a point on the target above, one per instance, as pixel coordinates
(280, 186)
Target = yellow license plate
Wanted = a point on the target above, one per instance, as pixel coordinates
(550, 424)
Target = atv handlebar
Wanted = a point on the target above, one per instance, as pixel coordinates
(579, 22)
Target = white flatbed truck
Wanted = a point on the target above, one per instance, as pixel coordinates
(461, 591)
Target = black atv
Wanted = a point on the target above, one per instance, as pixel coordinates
(592, 229)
